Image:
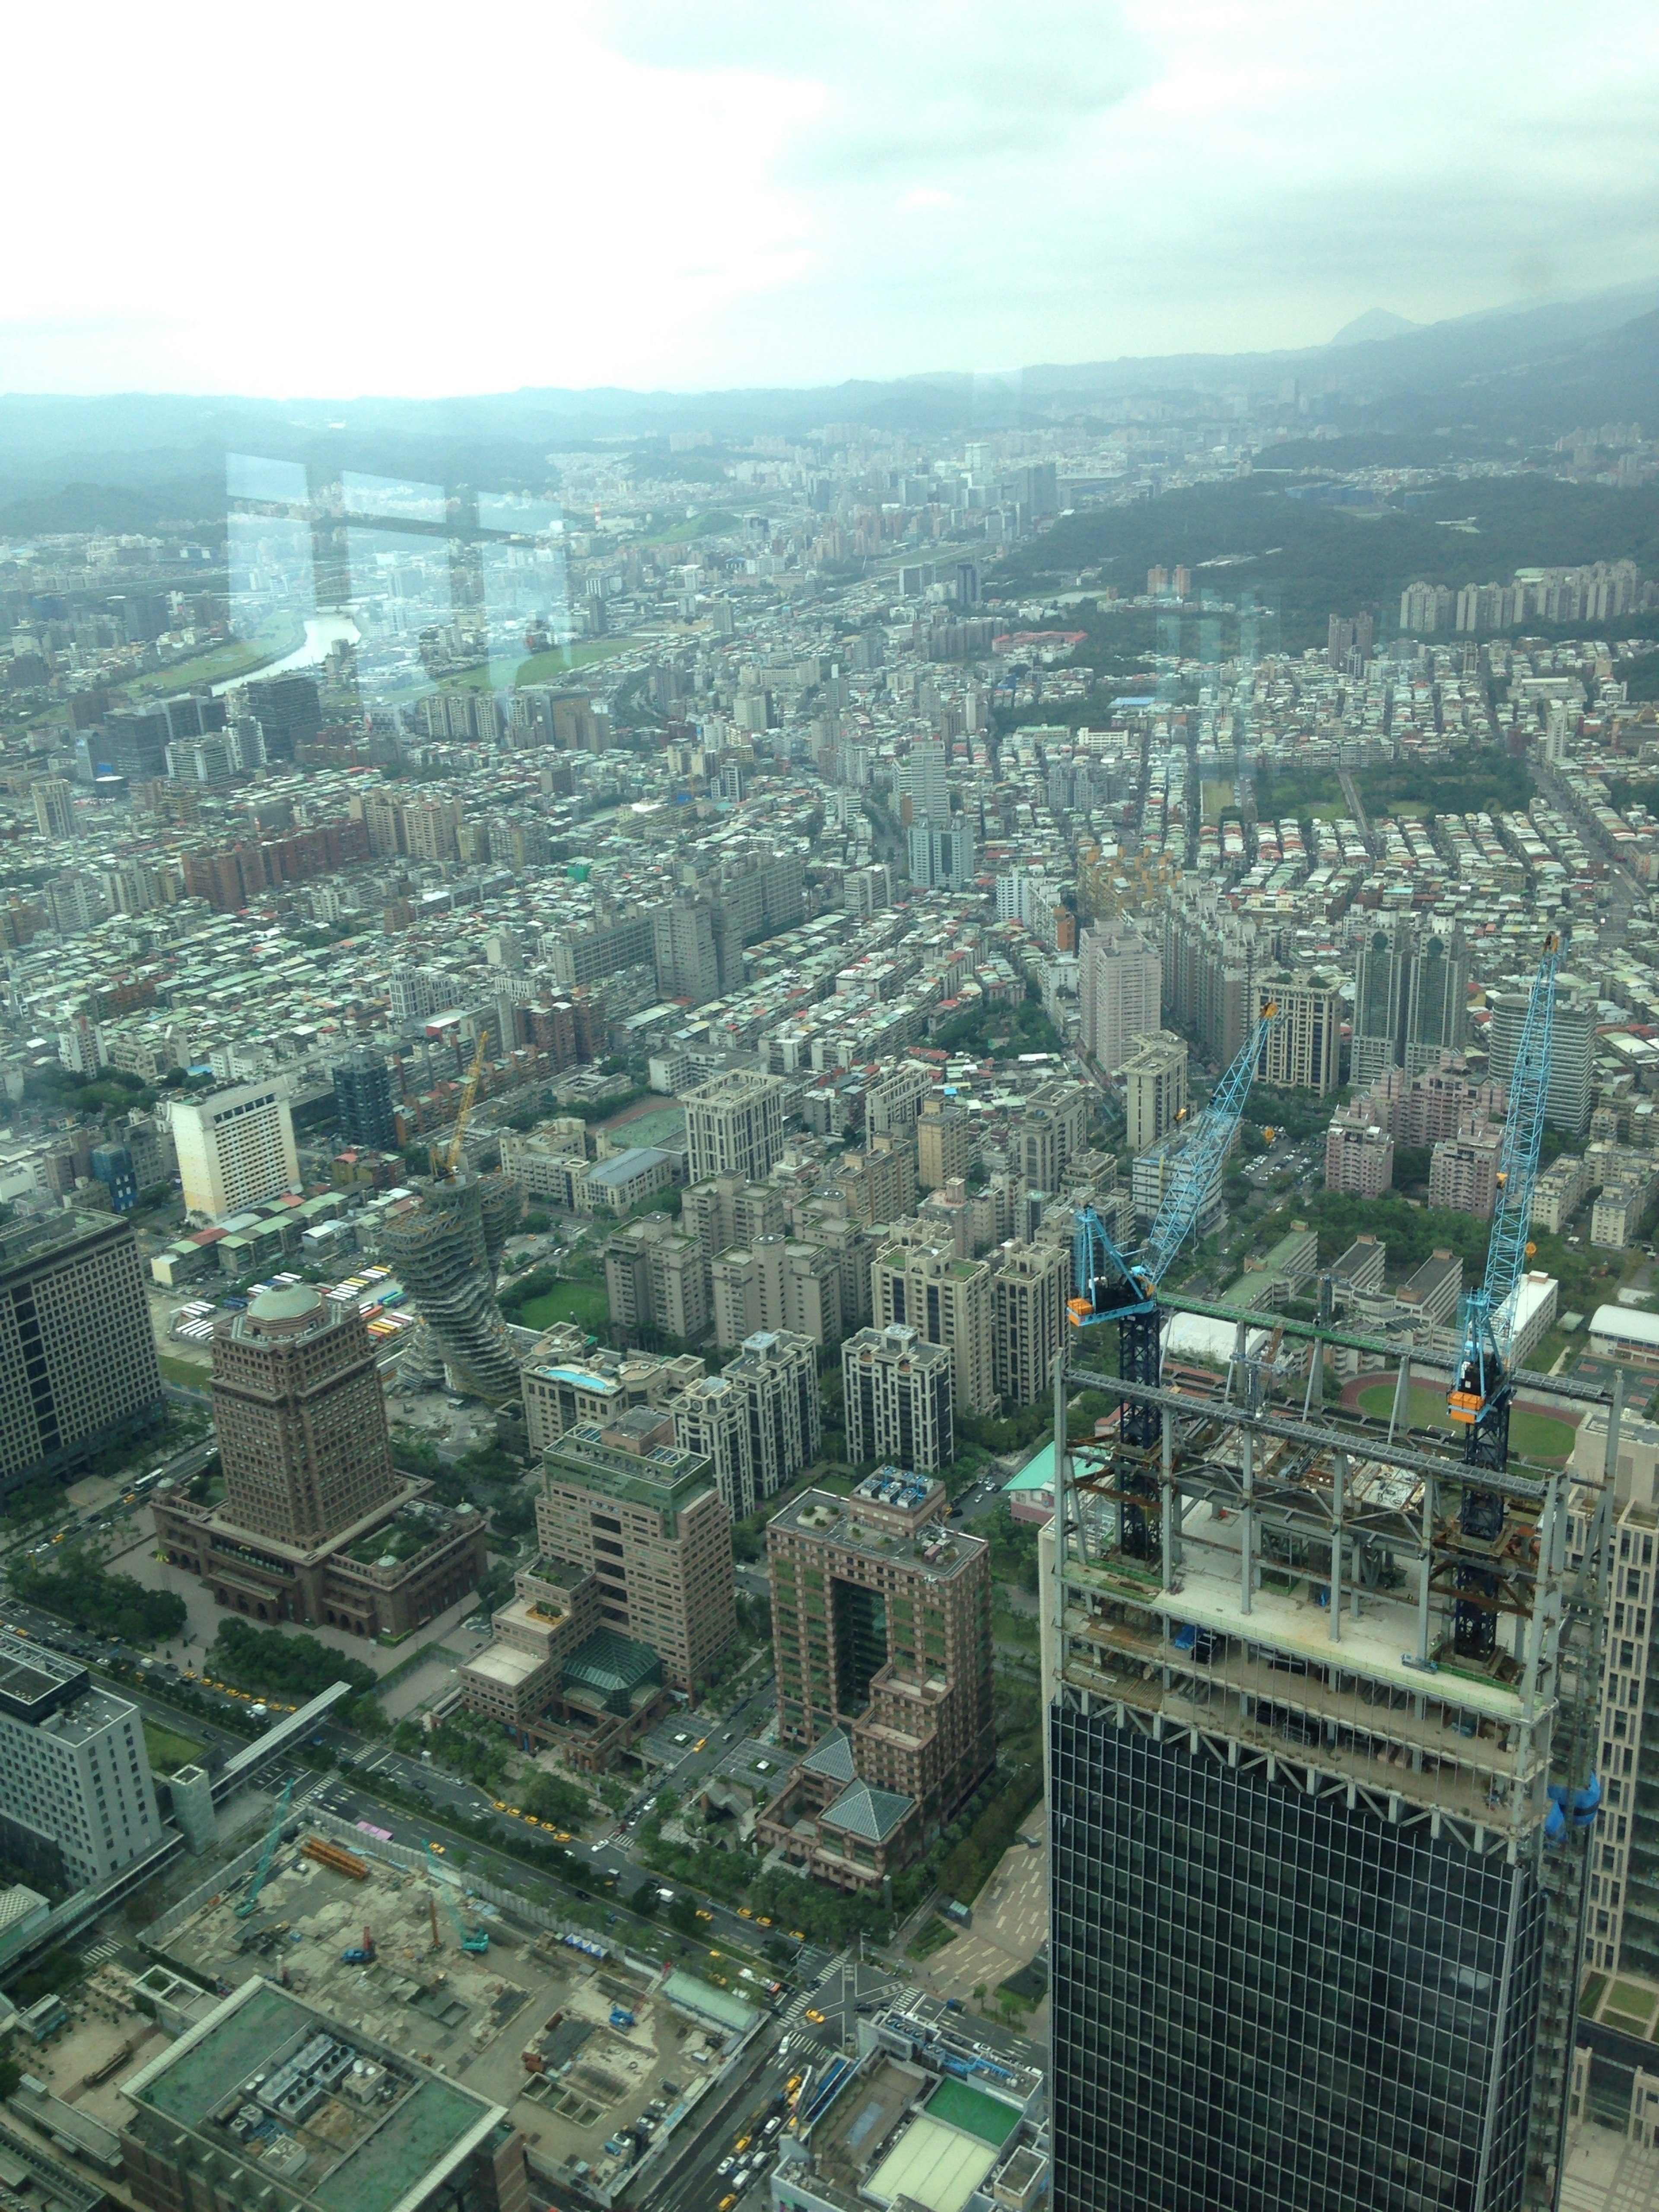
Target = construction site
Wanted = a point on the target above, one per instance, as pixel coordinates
(1324, 1695)
(592, 2056)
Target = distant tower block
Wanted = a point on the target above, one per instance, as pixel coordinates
(445, 1255)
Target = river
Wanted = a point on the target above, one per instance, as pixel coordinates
(322, 631)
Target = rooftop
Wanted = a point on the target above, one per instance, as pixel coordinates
(266, 2089)
(818, 1516)
(659, 1475)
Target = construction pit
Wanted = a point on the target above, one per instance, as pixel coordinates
(581, 2049)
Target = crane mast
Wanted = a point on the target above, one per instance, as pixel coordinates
(1112, 1286)
(1482, 1383)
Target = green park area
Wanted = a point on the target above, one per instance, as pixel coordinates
(1218, 797)
(541, 667)
(168, 1749)
(584, 1303)
(1534, 1436)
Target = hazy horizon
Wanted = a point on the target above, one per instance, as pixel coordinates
(630, 197)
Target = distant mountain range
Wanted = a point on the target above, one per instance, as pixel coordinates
(1476, 381)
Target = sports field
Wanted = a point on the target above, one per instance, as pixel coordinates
(1534, 1436)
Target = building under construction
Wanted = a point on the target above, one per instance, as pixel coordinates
(574, 2042)
(447, 1252)
(1322, 1777)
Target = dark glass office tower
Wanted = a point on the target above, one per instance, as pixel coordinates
(363, 1102)
(1263, 1998)
(1318, 1870)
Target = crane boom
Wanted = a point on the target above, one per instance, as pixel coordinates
(1110, 1286)
(469, 1095)
(273, 1834)
(1198, 1166)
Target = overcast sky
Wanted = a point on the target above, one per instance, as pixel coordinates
(343, 198)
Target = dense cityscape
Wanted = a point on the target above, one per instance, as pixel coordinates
(829, 1307)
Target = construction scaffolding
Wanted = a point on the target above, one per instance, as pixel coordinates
(1257, 1618)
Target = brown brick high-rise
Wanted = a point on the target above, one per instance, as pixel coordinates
(301, 1418)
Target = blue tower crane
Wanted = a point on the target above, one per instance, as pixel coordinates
(1112, 1286)
(1482, 1385)
(273, 1836)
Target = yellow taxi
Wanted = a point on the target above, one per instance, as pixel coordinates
(763, 1922)
(815, 2016)
(703, 1915)
(700, 1742)
(742, 2143)
(744, 1913)
(726, 2202)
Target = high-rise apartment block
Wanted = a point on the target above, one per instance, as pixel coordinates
(364, 1101)
(881, 1624)
(1436, 1001)
(656, 1279)
(1379, 1001)
(1119, 992)
(776, 1284)
(1358, 1155)
(1463, 1170)
(1212, 958)
(1028, 1292)
(1567, 1106)
(734, 1126)
(921, 1284)
(78, 1367)
(1052, 1131)
(236, 1149)
(897, 1396)
(630, 1505)
(943, 1144)
(1302, 1050)
(1154, 1089)
(76, 1800)
(759, 1423)
(728, 1211)
(54, 807)
(315, 1524)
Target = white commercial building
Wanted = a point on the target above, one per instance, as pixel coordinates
(236, 1149)
(73, 1771)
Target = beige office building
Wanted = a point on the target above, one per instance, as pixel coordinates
(1154, 1089)
(728, 1211)
(236, 1149)
(734, 1126)
(627, 1503)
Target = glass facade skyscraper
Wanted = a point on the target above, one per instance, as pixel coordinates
(1321, 1751)
(1266, 1998)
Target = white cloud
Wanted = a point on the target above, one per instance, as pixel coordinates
(418, 199)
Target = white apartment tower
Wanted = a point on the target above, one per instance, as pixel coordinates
(734, 1126)
(1119, 992)
(73, 1771)
(236, 1149)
